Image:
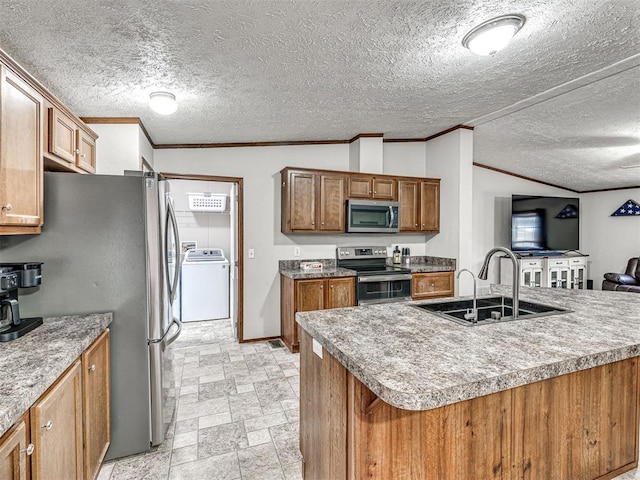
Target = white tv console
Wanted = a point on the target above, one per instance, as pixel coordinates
(558, 271)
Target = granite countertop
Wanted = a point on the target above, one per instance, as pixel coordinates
(417, 264)
(416, 360)
(31, 364)
(297, 274)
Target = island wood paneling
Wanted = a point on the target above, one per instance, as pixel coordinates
(323, 414)
(466, 440)
(583, 425)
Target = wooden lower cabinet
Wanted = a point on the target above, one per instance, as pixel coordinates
(583, 425)
(15, 451)
(96, 413)
(56, 429)
(431, 285)
(305, 295)
(68, 426)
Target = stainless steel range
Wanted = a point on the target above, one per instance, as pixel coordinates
(377, 282)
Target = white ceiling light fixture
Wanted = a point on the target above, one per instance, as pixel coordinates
(163, 103)
(491, 36)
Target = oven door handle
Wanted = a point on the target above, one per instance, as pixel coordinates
(383, 278)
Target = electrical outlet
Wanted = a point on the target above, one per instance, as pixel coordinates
(296, 251)
(252, 253)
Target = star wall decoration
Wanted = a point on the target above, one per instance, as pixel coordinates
(630, 208)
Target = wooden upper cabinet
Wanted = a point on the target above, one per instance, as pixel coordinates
(371, 187)
(332, 203)
(419, 205)
(409, 198)
(360, 187)
(86, 157)
(62, 136)
(56, 430)
(69, 146)
(96, 412)
(14, 451)
(302, 204)
(20, 155)
(384, 188)
(430, 205)
(312, 201)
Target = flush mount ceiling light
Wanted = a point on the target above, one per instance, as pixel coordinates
(163, 103)
(491, 36)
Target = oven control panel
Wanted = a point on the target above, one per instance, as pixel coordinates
(361, 252)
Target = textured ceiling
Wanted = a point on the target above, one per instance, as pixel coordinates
(288, 70)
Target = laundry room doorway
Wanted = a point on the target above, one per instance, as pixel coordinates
(209, 213)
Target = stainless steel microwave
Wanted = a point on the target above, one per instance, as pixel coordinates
(372, 216)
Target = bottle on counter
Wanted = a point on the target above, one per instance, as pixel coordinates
(397, 259)
(406, 256)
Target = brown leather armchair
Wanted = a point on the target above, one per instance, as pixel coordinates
(629, 281)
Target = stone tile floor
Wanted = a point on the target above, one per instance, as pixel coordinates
(237, 415)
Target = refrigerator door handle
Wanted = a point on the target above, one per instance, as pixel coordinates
(173, 283)
(174, 337)
(168, 341)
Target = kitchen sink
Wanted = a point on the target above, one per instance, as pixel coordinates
(489, 310)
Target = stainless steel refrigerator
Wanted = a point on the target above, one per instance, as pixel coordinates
(109, 243)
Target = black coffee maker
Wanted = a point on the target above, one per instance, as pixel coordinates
(12, 277)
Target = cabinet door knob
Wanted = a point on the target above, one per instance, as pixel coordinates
(416, 224)
(48, 425)
(375, 191)
(331, 286)
(321, 287)
(322, 223)
(29, 450)
(7, 207)
(92, 368)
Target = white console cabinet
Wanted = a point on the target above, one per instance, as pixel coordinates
(552, 272)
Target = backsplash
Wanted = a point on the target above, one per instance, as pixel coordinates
(294, 264)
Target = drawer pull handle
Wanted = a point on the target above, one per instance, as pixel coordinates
(7, 207)
(29, 450)
(92, 368)
(48, 425)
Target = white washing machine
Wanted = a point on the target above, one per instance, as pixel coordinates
(205, 285)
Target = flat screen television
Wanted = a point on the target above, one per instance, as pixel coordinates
(541, 223)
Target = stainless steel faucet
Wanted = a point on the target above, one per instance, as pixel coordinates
(516, 274)
(473, 314)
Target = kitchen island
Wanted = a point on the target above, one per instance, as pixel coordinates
(403, 393)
